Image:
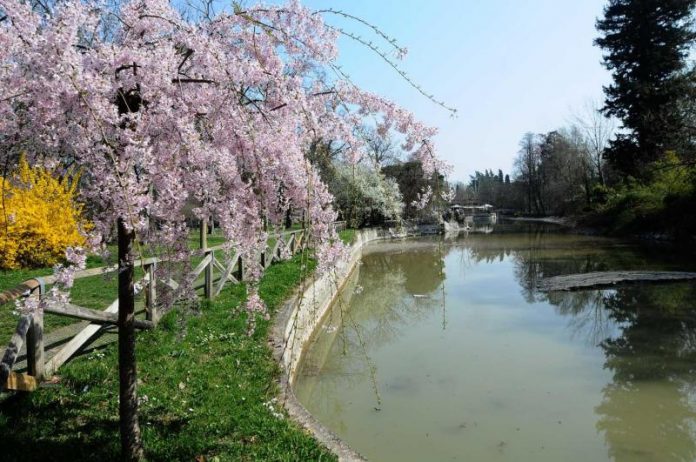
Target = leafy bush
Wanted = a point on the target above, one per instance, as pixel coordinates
(664, 203)
(39, 217)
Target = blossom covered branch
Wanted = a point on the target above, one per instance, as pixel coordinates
(165, 113)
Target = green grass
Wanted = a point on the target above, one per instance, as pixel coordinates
(208, 385)
(214, 238)
(347, 235)
(217, 237)
(95, 292)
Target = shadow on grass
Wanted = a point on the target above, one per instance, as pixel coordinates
(55, 431)
(206, 389)
(64, 433)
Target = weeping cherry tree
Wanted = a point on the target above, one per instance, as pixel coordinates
(161, 112)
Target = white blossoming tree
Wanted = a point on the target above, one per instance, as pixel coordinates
(364, 195)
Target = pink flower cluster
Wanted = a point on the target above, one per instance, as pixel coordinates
(162, 114)
(255, 306)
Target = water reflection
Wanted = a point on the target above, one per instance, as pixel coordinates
(617, 365)
(647, 334)
(653, 357)
(401, 290)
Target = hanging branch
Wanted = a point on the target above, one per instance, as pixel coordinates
(392, 41)
(395, 67)
(453, 111)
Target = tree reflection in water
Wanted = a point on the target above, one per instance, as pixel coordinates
(655, 352)
(648, 336)
(647, 333)
(402, 289)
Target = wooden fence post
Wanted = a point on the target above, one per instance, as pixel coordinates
(12, 350)
(204, 234)
(35, 341)
(151, 294)
(293, 241)
(208, 275)
(240, 269)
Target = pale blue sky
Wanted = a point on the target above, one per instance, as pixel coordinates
(508, 66)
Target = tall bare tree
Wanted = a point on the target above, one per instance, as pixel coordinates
(380, 149)
(598, 131)
(527, 166)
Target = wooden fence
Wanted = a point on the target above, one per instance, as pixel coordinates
(30, 328)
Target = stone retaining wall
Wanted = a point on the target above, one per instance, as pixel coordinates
(293, 328)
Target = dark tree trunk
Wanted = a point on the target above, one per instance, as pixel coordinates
(131, 445)
(288, 218)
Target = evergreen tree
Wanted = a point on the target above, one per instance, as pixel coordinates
(645, 45)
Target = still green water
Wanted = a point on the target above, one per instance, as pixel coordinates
(442, 349)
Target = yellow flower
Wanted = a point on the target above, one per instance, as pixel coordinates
(39, 217)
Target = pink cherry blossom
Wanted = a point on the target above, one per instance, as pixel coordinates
(162, 114)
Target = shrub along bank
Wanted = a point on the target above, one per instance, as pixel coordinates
(663, 205)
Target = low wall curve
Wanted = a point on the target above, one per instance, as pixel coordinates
(294, 326)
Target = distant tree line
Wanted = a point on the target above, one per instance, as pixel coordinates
(488, 187)
(627, 162)
(559, 172)
(562, 172)
(630, 162)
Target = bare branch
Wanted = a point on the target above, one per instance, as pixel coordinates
(394, 66)
(187, 80)
(187, 52)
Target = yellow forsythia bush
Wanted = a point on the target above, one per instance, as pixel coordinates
(39, 217)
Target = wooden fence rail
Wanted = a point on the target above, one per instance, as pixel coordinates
(29, 331)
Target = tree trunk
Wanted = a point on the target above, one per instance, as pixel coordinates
(599, 169)
(288, 218)
(131, 445)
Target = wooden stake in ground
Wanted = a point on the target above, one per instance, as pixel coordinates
(131, 444)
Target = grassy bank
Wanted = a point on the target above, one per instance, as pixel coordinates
(207, 392)
(207, 389)
(663, 205)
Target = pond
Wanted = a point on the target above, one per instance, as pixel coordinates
(442, 349)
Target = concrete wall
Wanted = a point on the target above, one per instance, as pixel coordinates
(293, 328)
